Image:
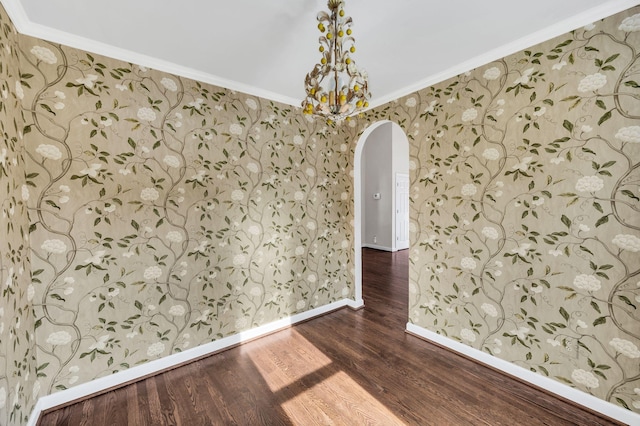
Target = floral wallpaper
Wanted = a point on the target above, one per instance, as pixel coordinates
(167, 213)
(526, 208)
(18, 391)
(164, 213)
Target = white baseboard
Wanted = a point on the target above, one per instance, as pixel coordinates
(553, 386)
(135, 373)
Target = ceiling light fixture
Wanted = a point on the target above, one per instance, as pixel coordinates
(335, 88)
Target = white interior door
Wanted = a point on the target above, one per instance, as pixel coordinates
(402, 211)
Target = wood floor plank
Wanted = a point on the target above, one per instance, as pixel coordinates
(347, 367)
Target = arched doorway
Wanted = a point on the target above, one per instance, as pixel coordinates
(398, 139)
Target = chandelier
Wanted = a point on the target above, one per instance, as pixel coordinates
(335, 88)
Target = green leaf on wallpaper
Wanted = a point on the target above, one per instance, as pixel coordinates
(623, 403)
(47, 108)
(585, 347)
(605, 117)
(595, 306)
(57, 297)
(626, 300)
(598, 207)
(586, 250)
(600, 321)
(630, 194)
(564, 314)
(602, 220)
(600, 103)
(566, 221)
(567, 125)
(611, 58)
(633, 84)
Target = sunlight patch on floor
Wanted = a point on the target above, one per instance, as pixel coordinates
(308, 384)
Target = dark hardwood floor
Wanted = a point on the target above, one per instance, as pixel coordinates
(345, 368)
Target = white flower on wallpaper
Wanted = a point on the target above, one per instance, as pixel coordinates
(51, 152)
(523, 165)
(489, 309)
(59, 338)
(586, 378)
(490, 232)
(587, 282)
(171, 161)
(169, 84)
(491, 73)
(589, 184)
(146, 114)
(152, 273)
(468, 263)
(19, 90)
(239, 259)
(631, 23)
(100, 343)
(627, 242)
(237, 195)
(88, 81)
(469, 190)
(92, 170)
(235, 129)
(467, 335)
(411, 102)
(625, 347)
(491, 154)
(469, 114)
(629, 134)
(149, 194)
(96, 258)
(155, 349)
(253, 167)
(592, 82)
(54, 246)
(524, 77)
(251, 103)
(174, 236)
(44, 54)
(177, 310)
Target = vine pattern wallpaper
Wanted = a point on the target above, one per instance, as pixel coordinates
(165, 213)
(18, 389)
(526, 208)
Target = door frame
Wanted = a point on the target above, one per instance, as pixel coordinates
(357, 203)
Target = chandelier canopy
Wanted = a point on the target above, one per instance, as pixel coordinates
(335, 88)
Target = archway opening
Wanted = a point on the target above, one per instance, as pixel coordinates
(393, 142)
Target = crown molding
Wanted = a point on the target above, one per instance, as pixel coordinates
(27, 27)
(587, 17)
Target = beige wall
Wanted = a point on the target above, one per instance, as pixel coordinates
(526, 208)
(18, 391)
(166, 213)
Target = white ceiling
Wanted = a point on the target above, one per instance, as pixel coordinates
(265, 48)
